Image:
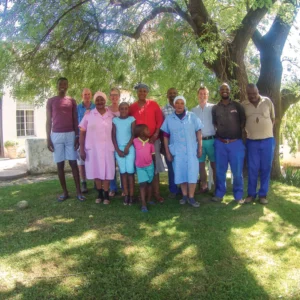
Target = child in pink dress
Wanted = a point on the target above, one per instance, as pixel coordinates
(144, 162)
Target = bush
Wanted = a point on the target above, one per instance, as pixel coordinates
(292, 176)
(10, 144)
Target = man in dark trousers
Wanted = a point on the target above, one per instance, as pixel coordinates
(62, 136)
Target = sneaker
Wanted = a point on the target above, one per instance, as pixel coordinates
(193, 202)
(263, 200)
(249, 199)
(216, 199)
(106, 202)
(183, 200)
(144, 209)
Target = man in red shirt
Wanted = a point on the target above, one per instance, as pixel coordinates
(62, 138)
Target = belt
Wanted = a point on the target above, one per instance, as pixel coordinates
(208, 137)
(227, 141)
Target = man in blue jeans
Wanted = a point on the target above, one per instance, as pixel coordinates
(168, 109)
(260, 117)
(229, 120)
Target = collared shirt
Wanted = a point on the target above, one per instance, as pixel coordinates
(143, 152)
(229, 120)
(259, 123)
(205, 115)
(81, 109)
(168, 109)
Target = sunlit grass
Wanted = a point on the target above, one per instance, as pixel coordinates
(75, 250)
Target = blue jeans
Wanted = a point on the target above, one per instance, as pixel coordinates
(173, 188)
(260, 155)
(232, 154)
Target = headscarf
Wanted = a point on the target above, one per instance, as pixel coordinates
(179, 98)
(101, 94)
(141, 85)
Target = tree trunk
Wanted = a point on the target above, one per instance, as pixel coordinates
(269, 84)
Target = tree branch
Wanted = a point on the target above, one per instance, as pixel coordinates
(257, 39)
(156, 11)
(248, 27)
(37, 47)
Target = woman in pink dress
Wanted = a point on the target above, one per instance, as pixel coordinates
(97, 149)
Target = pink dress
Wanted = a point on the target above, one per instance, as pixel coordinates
(99, 148)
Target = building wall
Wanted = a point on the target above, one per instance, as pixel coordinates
(9, 107)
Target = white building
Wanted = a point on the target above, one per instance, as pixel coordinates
(19, 121)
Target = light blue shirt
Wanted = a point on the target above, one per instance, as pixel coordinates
(205, 115)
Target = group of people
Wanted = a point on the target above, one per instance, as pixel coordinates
(135, 136)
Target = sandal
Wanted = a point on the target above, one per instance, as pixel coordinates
(112, 193)
(100, 196)
(106, 197)
(81, 198)
(62, 198)
(159, 199)
(126, 200)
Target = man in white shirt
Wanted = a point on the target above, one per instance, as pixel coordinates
(204, 113)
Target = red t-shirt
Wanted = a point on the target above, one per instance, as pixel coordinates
(150, 114)
(62, 111)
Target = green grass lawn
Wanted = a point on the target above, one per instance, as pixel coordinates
(74, 250)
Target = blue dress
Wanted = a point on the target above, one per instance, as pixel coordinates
(123, 135)
(183, 145)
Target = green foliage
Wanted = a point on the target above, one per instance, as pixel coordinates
(10, 144)
(292, 176)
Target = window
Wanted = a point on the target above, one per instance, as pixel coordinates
(25, 119)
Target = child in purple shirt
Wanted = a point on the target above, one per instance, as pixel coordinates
(144, 162)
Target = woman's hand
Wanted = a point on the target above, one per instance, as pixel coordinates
(169, 157)
(82, 154)
(126, 151)
(120, 153)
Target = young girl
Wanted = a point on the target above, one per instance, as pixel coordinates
(144, 162)
(122, 136)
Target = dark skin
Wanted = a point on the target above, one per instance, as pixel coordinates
(100, 106)
(127, 179)
(171, 95)
(225, 93)
(145, 187)
(186, 188)
(142, 96)
(254, 97)
(62, 87)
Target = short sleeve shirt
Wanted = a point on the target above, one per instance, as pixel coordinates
(149, 114)
(259, 123)
(205, 115)
(143, 152)
(228, 120)
(62, 110)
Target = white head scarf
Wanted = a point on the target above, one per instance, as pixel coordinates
(179, 98)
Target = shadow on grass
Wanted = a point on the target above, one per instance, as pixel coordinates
(83, 251)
